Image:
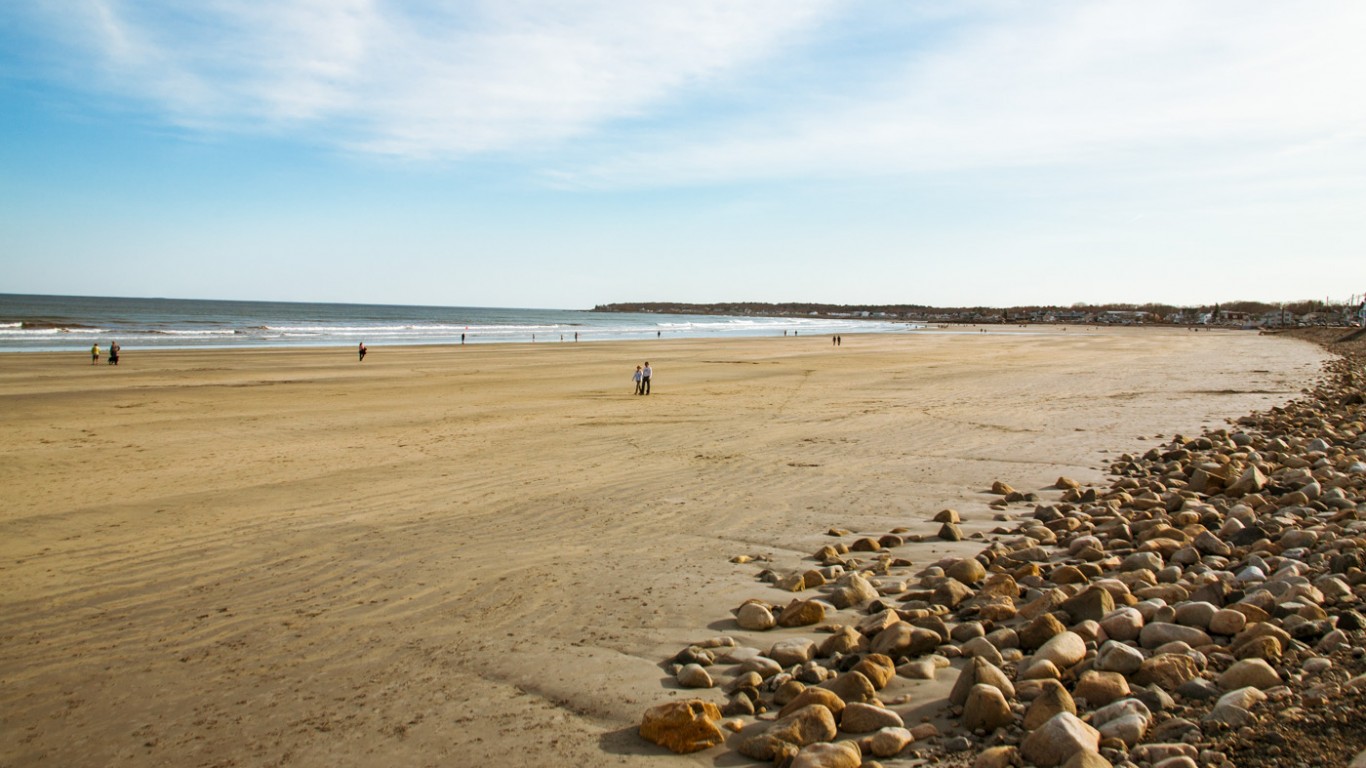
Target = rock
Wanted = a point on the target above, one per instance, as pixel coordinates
(1087, 760)
(1156, 753)
(997, 757)
(761, 665)
(986, 708)
(860, 717)
(1167, 670)
(865, 544)
(1054, 742)
(851, 687)
(1064, 650)
(1126, 720)
(844, 640)
(951, 593)
(840, 754)
(923, 669)
(950, 532)
(793, 582)
(982, 647)
(888, 742)
(947, 516)
(1092, 604)
(1195, 613)
(801, 613)
(788, 691)
(902, 639)
(1249, 672)
(694, 676)
(980, 672)
(814, 696)
(1233, 709)
(755, 616)
(1053, 700)
(1250, 481)
(878, 668)
(1101, 688)
(853, 589)
(1198, 689)
(1227, 621)
(1207, 543)
(1039, 631)
(792, 651)
(804, 726)
(683, 726)
(1042, 669)
(1122, 624)
(967, 570)
(1160, 633)
(1118, 657)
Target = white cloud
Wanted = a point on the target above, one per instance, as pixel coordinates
(424, 78)
(1048, 85)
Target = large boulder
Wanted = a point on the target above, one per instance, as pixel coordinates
(683, 726)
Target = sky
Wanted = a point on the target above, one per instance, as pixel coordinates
(528, 153)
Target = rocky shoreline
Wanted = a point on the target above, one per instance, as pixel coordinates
(1203, 609)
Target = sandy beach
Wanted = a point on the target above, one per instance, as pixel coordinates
(482, 555)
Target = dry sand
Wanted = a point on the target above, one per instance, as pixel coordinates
(481, 555)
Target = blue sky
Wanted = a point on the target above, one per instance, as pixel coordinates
(522, 153)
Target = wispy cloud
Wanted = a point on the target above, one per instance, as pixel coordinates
(613, 93)
(1052, 85)
(417, 79)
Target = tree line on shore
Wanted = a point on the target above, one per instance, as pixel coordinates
(1310, 311)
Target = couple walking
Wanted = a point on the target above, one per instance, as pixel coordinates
(642, 379)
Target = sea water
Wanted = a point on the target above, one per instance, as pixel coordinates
(58, 323)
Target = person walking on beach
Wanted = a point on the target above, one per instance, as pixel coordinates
(645, 379)
(94, 354)
(114, 353)
(638, 378)
(362, 352)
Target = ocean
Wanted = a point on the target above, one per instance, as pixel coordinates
(60, 323)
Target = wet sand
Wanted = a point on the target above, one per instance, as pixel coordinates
(481, 555)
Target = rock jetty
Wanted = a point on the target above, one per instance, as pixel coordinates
(1203, 609)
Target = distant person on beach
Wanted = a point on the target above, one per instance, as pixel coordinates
(94, 354)
(362, 351)
(114, 352)
(638, 378)
(645, 379)
(462, 339)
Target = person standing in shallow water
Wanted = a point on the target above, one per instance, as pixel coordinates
(362, 351)
(645, 379)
